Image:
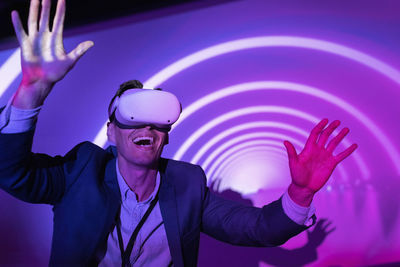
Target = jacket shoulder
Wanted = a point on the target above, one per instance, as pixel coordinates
(182, 172)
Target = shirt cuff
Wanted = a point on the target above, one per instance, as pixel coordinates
(15, 120)
(299, 214)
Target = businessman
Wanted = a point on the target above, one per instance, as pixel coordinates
(126, 205)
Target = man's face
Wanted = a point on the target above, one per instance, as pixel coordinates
(139, 147)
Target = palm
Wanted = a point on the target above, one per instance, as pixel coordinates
(312, 168)
(43, 58)
(41, 61)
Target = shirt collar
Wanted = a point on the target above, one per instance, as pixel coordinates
(125, 190)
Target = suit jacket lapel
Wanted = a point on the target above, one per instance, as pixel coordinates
(113, 204)
(112, 191)
(167, 201)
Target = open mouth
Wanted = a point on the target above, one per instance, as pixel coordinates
(144, 141)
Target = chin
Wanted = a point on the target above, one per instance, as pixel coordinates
(145, 162)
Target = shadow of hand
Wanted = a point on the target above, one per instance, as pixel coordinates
(321, 230)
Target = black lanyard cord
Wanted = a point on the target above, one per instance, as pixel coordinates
(125, 255)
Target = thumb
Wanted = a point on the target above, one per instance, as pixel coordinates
(80, 50)
(291, 151)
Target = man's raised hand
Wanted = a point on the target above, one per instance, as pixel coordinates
(43, 58)
(311, 169)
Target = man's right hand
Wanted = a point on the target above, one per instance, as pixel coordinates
(43, 58)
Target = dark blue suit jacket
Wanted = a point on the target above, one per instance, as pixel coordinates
(83, 189)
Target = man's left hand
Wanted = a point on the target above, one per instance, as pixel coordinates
(311, 169)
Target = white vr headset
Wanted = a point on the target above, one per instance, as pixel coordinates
(136, 108)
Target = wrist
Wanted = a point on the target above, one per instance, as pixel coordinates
(30, 96)
(300, 195)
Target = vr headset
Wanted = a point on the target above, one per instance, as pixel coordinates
(137, 108)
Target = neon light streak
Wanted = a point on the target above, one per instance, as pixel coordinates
(270, 144)
(9, 71)
(236, 113)
(265, 41)
(240, 139)
(211, 158)
(295, 87)
(258, 109)
(230, 155)
(277, 41)
(273, 41)
(250, 152)
(251, 170)
(241, 127)
(249, 125)
(237, 45)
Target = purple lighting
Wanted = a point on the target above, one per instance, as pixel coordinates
(249, 75)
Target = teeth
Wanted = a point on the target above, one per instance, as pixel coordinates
(148, 139)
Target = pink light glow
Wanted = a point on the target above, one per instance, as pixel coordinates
(242, 127)
(215, 159)
(285, 41)
(252, 110)
(271, 145)
(252, 169)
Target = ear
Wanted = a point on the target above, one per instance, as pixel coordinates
(111, 132)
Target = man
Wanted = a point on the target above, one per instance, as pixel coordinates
(126, 205)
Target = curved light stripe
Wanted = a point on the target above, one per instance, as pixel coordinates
(340, 168)
(260, 109)
(232, 143)
(249, 125)
(211, 159)
(265, 41)
(300, 88)
(247, 43)
(270, 157)
(271, 144)
(273, 41)
(241, 127)
(279, 153)
(236, 113)
(9, 71)
(224, 169)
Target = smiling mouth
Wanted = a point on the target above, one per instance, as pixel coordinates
(143, 141)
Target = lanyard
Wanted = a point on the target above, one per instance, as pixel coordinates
(125, 255)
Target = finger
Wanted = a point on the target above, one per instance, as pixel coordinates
(44, 16)
(330, 231)
(327, 132)
(212, 184)
(326, 225)
(18, 28)
(33, 17)
(218, 184)
(341, 156)
(58, 23)
(337, 139)
(315, 132)
(291, 151)
(80, 50)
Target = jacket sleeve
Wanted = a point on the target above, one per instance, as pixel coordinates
(239, 224)
(34, 177)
